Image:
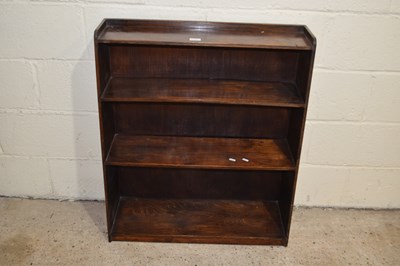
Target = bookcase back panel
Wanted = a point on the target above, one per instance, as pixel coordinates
(201, 120)
(203, 62)
(206, 184)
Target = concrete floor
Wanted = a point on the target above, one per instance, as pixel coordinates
(47, 232)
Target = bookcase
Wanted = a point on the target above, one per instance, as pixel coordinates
(201, 128)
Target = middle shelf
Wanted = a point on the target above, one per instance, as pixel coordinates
(261, 93)
(200, 153)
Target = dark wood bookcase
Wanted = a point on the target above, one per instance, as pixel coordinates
(201, 128)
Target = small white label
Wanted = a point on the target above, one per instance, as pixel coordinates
(232, 159)
(245, 159)
(195, 39)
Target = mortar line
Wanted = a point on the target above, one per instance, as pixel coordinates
(50, 178)
(65, 158)
(84, 113)
(350, 166)
(27, 59)
(45, 112)
(316, 68)
(388, 12)
(347, 122)
(83, 21)
(355, 71)
(36, 83)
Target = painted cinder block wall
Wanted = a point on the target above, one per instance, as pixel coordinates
(49, 133)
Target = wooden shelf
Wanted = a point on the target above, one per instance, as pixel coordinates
(210, 34)
(202, 91)
(199, 221)
(199, 152)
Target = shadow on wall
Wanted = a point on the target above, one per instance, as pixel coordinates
(87, 179)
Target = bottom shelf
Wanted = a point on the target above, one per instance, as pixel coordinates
(199, 221)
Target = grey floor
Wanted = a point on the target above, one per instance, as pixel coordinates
(47, 232)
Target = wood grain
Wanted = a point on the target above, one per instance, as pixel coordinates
(191, 220)
(195, 33)
(172, 183)
(152, 61)
(200, 120)
(202, 91)
(201, 153)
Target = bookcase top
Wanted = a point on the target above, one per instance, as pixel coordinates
(205, 34)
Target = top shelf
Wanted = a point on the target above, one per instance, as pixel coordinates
(208, 34)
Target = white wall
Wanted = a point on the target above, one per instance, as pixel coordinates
(49, 135)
